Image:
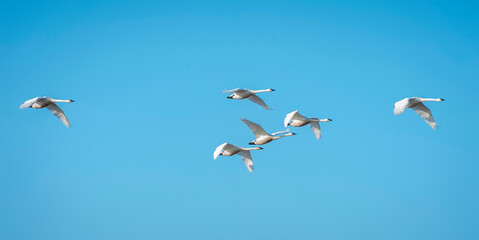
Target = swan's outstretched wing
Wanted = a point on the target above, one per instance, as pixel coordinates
(316, 129)
(426, 114)
(288, 117)
(400, 106)
(232, 90)
(28, 103)
(293, 116)
(219, 149)
(258, 101)
(257, 130)
(59, 113)
(248, 161)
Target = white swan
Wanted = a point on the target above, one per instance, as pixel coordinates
(49, 103)
(227, 149)
(262, 137)
(239, 93)
(297, 120)
(416, 103)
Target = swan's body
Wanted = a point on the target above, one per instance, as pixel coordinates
(50, 104)
(262, 137)
(239, 94)
(227, 149)
(297, 120)
(416, 103)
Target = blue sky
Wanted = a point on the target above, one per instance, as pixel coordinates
(149, 112)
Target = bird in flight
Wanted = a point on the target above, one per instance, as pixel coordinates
(416, 103)
(50, 104)
(227, 149)
(262, 137)
(239, 94)
(295, 119)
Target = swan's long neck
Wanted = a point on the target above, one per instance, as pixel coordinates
(263, 90)
(431, 99)
(65, 101)
(285, 135)
(256, 148)
(281, 132)
(320, 120)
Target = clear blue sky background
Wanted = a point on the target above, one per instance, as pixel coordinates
(149, 112)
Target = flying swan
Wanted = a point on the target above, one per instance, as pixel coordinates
(297, 120)
(227, 149)
(416, 103)
(262, 137)
(239, 94)
(50, 104)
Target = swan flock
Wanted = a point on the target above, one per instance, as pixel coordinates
(293, 119)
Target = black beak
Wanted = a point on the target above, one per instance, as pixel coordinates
(294, 133)
(442, 99)
(71, 100)
(330, 119)
(251, 143)
(260, 148)
(230, 97)
(272, 90)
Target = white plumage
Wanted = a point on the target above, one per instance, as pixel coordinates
(295, 119)
(50, 104)
(239, 94)
(416, 103)
(262, 137)
(227, 149)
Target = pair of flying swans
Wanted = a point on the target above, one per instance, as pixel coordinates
(416, 103)
(262, 137)
(295, 119)
(239, 93)
(50, 104)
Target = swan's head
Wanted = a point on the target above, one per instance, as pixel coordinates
(252, 142)
(271, 90)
